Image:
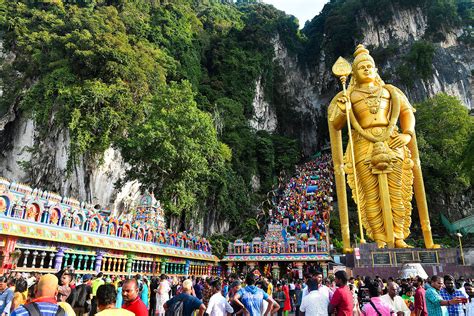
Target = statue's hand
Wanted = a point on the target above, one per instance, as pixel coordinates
(343, 103)
(399, 140)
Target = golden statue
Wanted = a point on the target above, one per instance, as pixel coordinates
(387, 164)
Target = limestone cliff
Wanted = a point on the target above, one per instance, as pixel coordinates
(452, 63)
(43, 164)
(305, 87)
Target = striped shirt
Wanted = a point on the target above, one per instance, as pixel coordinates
(45, 308)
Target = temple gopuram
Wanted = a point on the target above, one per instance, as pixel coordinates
(41, 231)
(297, 236)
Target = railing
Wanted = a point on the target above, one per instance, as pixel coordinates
(277, 248)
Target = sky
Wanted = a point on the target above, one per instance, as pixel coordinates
(302, 9)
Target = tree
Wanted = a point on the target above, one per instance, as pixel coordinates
(444, 131)
(174, 149)
(81, 67)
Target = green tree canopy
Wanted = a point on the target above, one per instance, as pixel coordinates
(174, 147)
(445, 130)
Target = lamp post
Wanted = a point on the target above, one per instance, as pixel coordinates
(460, 247)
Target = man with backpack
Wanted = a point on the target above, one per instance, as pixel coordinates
(80, 298)
(184, 304)
(45, 302)
(95, 283)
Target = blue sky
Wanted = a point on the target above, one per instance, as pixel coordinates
(302, 9)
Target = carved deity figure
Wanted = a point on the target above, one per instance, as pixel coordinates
(384, 152)
(3, 204)
(149, 236)
(54, 217)
(112, 229)
(67, 220)
(31, 212)
(126, 231)
(77, 221)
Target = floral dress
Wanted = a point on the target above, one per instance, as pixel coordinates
(162, 296)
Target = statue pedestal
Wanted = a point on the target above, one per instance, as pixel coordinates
(389, 261)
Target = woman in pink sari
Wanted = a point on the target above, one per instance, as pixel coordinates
(376, 307)
(287, 306)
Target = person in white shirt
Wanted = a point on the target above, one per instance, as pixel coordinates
(470, 300)
(315, 303)
(218, 305)
(323, 289)
(395, 301)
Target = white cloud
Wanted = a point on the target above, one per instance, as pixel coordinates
(303, 9)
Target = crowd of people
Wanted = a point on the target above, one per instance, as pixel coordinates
(67, 295)
(303, 204)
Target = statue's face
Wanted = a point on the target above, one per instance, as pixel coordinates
(366, 72)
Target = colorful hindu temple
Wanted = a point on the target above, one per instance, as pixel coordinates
(41, 231)
(297, 236)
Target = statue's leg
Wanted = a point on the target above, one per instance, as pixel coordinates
(371, 203)
(397, 185)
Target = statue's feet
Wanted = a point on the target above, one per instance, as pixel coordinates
(399, 243)
(434, 246)
(381, 244)
(348, 250)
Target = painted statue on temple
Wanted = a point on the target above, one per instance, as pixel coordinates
(31, 212)
(382, 147)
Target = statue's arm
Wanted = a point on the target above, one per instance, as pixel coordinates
(407, 118)
(337, 117)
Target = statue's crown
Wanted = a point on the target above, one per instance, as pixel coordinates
(360, 49)
(361, 54)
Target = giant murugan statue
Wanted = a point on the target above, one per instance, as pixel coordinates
(381, 160)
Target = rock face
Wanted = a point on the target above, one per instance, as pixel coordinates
(264, 117)
(43, 164)
(295, 107)
(452, 63)
(307, 90)
(406, 25)
(299, 92)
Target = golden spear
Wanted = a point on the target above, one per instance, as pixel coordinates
(342, 69)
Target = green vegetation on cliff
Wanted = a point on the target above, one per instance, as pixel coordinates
(169, 83)
(445, 130)
(339, 25)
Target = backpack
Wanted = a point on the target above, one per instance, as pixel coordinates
(177, 309)
(80, 297)
(33, 310)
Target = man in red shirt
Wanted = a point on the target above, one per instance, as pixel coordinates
(131, 299)
(420, 301)
(342, 300)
